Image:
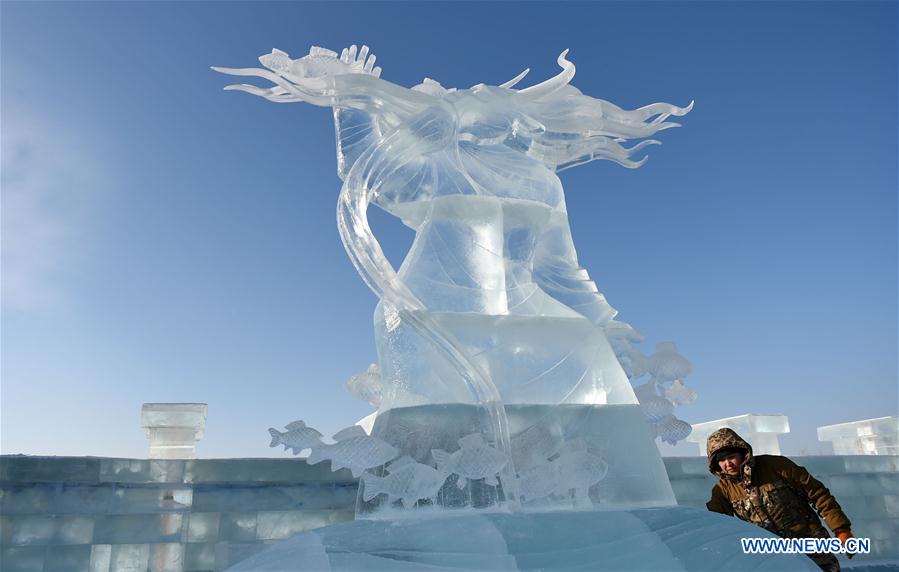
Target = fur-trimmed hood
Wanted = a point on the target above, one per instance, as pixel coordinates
(726, 438)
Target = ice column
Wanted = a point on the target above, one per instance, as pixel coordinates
(173, 428)
(878, 436)
(760, 431)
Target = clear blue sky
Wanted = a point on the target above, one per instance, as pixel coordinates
(164, 240)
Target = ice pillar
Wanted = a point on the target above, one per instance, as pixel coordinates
(173, 428)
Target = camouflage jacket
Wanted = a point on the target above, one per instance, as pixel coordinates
(772, 492)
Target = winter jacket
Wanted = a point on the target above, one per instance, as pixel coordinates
(772, 492)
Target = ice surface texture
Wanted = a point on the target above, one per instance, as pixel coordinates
(878, 436)
(297, 437)
(490, 307)
(355, 450)
(228, 509)
(173, 428)
(674, 538)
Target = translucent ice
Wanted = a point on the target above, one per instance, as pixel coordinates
(490, 309)
(101, 555)
(668, 365)
(474, 460)
(679, 394)
(577, 470)
(538, 482)
(657, 403)
(673, 539)
(672, 429)
(354, 450)
(127, 557)
(173, 428)
(536, 444)
(406, 481)
(878, 436)
(366, 386)
(635, 473)
(656, 408)
(297, 437)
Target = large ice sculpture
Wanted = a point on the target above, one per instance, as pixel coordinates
(491, 338)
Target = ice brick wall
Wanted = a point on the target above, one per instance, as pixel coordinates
(82, 513)
(99, 514)
(866, 486)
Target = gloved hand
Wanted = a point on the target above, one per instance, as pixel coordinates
(844, 535)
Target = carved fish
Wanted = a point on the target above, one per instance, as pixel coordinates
(475, 460)
(366, 386)
(297, 437)
(354, 450)
(535, 445)
(579, 469)
(539, 481)
(407, 481)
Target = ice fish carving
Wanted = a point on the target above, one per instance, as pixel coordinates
(656, 408)
(535, 445)
(354, 450)
(680, 394)
(366, 386)
(538, 482)
(475, 460)
(407, 481)
(671, 429)
(579, 469)
(297, 437)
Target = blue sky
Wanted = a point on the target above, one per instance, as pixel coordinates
(164, 240)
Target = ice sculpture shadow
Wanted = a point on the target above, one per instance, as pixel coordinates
(499, 388)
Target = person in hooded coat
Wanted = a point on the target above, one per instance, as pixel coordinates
(773, 492)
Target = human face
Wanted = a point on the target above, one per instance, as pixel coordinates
(730, 465)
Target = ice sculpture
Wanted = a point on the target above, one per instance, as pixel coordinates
(173, 428)
(354, 450)
(491, 338)
(407, 481)
(367, 385)
(474, 460)
(878, 436)
(297, 438)
(665, 389)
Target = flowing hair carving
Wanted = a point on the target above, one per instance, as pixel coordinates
(579, 128)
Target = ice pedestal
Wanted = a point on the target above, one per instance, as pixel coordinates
(878, 436)
(670, 538)
(565, 456)
(760, 431)
(173, 428)
(577, 437)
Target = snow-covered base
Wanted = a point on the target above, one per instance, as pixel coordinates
(659, 539)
